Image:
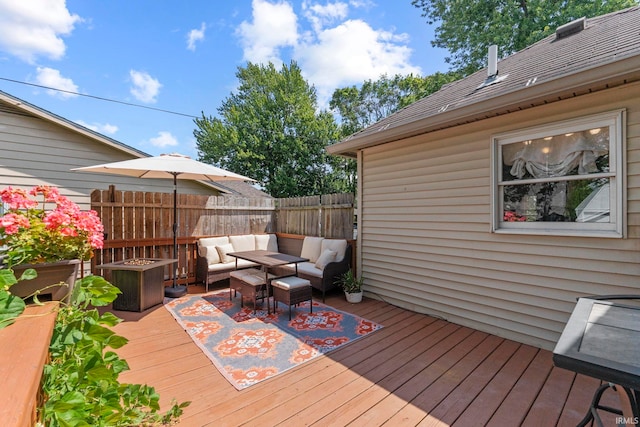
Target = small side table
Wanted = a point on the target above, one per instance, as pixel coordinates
(602, 340)
(141, 281)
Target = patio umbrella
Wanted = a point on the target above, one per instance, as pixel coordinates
(167, 166)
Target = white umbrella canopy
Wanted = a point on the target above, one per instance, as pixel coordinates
(168, 166)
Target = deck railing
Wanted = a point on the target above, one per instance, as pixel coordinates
(118, 250)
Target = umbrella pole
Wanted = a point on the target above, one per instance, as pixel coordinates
(175, 291)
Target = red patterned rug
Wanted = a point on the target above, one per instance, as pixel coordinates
(248, 348)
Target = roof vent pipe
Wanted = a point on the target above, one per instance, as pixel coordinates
(492, 70)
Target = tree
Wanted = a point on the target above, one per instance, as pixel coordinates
(375, 100)
(271, 130)
(466, 28)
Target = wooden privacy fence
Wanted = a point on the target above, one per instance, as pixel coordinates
(329, 215)
(140, 224)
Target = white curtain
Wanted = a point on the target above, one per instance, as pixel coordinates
(557, 156)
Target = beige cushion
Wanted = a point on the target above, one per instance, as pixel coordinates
(243, 263)
(256, 279)
(266, 242)
(245, 272)
(206, 242)
(309, 268)
(311, 248)
(325, 258)
(223, 250)
(230, 266)
(210, 253)
(337, 245)
(291, 282)
(245, 242)
(222, 266)
(304, 267)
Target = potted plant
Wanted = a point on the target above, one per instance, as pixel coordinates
(352, 286)
(51, 236)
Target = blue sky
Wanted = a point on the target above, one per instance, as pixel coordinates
(182, 57)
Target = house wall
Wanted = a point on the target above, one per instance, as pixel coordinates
(36, 151)
(424, 230)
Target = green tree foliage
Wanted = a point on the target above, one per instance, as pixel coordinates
(270, 130)
(466, 28)
(375, 100)
(358, 108)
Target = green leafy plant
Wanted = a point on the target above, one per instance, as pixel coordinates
(80, 383)
(32, 234)
(350, 283)
(11, 306)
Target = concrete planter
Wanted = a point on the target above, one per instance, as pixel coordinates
(354, 297)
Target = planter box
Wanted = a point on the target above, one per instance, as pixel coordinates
(141, 281)
(25, 348)
(49, 274)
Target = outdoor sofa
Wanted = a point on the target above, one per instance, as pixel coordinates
(328, 258)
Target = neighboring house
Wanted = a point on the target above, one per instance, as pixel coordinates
(499, 200)
(39, 147)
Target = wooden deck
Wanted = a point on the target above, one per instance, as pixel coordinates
(417, 370)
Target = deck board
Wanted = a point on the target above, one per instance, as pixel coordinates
(417, 370)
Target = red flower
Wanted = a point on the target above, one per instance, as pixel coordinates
(510, 216)
(33, 235)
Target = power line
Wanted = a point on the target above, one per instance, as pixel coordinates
(99, 98)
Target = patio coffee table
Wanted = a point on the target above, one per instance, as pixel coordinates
(268, 259)
(602, 340)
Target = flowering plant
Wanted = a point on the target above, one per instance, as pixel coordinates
(513, 217)
(31, 234)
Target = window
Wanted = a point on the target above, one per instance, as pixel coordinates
(563, 178)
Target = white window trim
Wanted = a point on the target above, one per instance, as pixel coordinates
(616, 120)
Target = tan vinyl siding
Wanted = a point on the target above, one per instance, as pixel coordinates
(425, 233)
(36, 151)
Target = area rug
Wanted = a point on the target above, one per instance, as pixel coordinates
(249, 347)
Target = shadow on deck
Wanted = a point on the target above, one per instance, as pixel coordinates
(417, 370)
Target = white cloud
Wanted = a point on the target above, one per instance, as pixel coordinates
(145, 88)
(103, 128)
(32, 28)
(164, 139)
(335, 51)
(353, 52)
(194, 36)
(322, 15)
(274, 26)
(366, 4)
(52, 78)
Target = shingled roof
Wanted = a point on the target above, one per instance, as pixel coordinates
(604, 54)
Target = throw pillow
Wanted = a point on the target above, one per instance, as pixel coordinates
(211, 254)
(338, 245)
(324, 259)
(223, 251)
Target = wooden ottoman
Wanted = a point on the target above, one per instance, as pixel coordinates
(291, 290)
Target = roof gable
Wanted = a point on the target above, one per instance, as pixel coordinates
(604, 54)
(12, 105)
